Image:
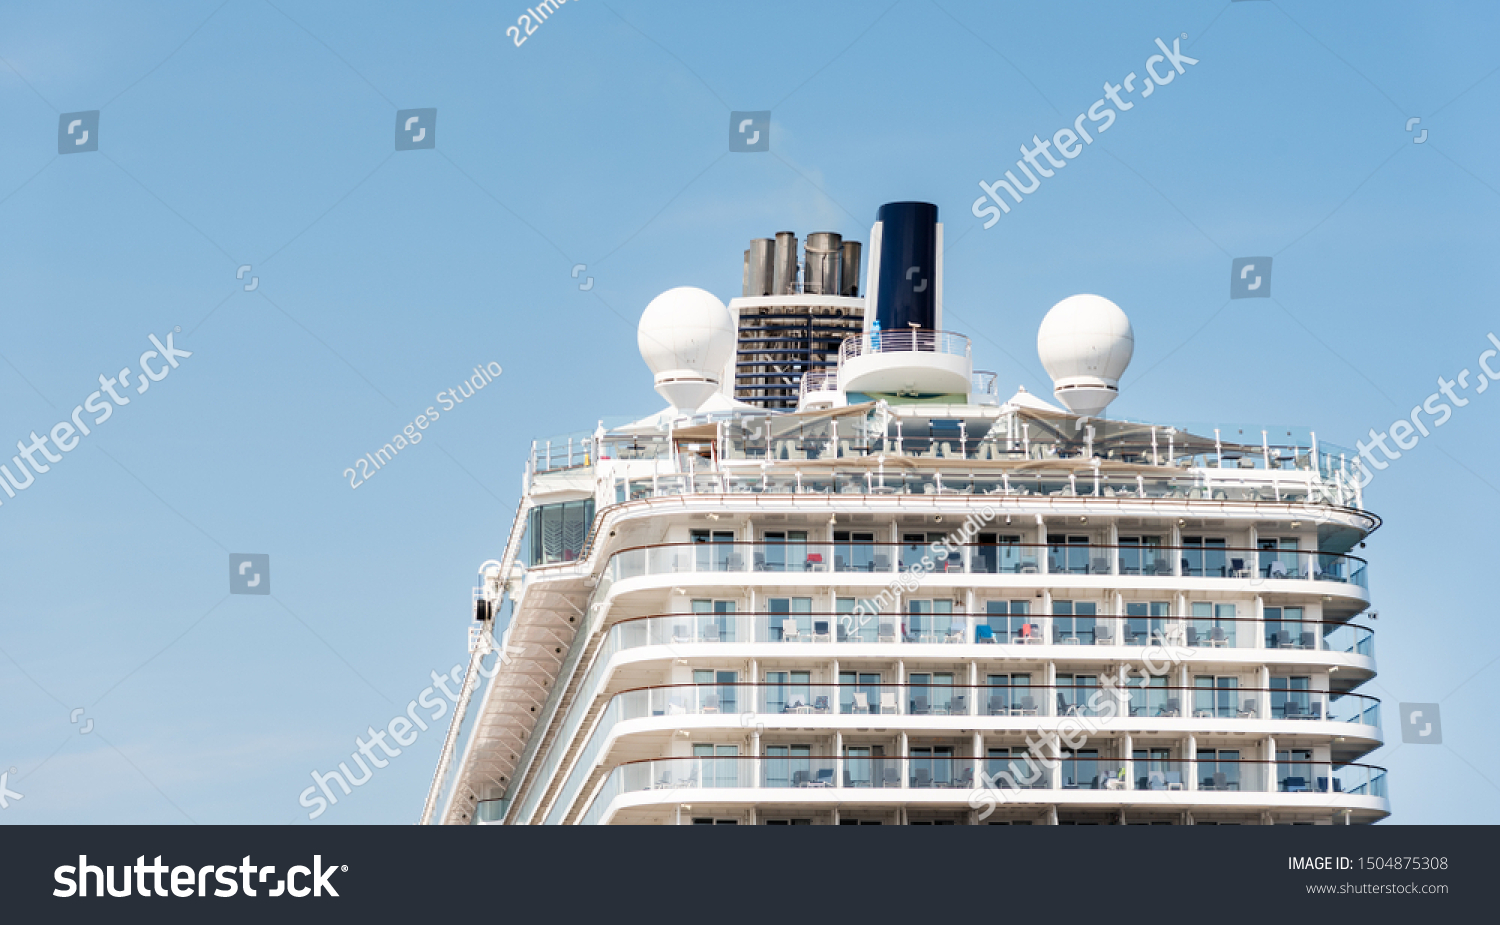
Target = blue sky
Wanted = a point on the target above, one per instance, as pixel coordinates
(247, 133)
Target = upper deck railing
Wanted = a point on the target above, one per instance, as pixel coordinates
(945, 342)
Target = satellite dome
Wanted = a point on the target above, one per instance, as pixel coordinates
(685, 337)
(1085, 343)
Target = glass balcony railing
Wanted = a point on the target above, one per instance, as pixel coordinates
(750, 703)
(781, 475)
(940, 698)
(962, 775)
(991, 629)
(1245, 565)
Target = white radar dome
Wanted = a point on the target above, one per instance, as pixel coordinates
(685, 337)
(1085, 343)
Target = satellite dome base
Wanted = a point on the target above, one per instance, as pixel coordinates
(1085, 399)
(685, 389)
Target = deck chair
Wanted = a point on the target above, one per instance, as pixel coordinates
(789, 632)
(888, 702)
(861, 702)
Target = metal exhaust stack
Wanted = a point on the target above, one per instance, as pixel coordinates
(759, 269)
(850, 257)
(784, 277)
(824, 261)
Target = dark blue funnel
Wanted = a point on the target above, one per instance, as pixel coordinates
(907, 290)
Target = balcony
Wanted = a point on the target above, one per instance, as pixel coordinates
(894, 361)
(742, 700)
(992, 629)
(1246, 566)
(822, 777)
(783, 473)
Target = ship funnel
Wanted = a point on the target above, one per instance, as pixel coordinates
(905, 278)
(823, 260)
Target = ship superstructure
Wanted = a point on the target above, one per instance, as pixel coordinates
(894, 598)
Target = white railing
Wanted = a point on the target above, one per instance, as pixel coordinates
(819, 381)
(918, 341)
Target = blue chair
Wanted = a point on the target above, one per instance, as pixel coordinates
(983, 633)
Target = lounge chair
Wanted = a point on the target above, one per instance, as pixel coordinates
(1104, 635)
(1025, 706)
(861, 703)
(888, 702)
(891, 778)
(919, 705)
(984, 634)
(789, 631)
(1247, 709)
(921, 778)
(820, 632)
(998, 706)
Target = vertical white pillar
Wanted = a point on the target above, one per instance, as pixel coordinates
(905, 760)
(1190, 753)
(838, 758)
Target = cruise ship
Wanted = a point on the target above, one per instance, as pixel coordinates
(839, 580)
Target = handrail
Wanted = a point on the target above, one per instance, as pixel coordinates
(853, 685)
(979, 614)
(862, 544)
(1101, 758)
(921, 341)
(817, 381)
